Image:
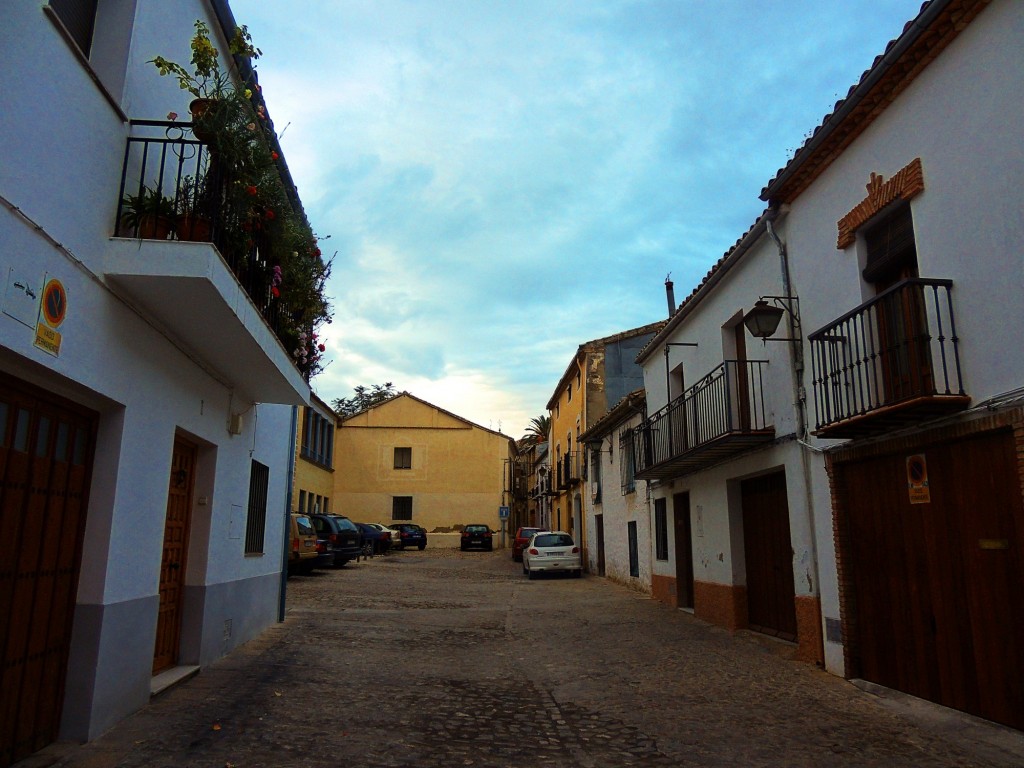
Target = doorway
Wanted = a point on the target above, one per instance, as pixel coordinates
(172, 565)
(684, 550)
(768, 548)
(599, 531)
(46, 450)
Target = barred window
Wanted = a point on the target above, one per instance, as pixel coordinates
(627, 461)
(401, 508)
(256, 520)
(660, 530)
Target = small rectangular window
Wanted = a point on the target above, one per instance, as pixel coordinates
(660, 530)
(302, 503)
(403, 458)
(256, 519)
(401, 508)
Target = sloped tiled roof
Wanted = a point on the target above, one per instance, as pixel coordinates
(922, 40)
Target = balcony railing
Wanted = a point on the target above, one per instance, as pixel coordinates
(722, 414)
(174, 188)
(890, 362)
(568, 470)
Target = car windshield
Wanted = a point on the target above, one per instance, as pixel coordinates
(477, 529)
(553, 540)
(345, 524)
(526, 533)
(305, 526)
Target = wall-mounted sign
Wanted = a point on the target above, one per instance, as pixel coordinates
(53, 308)
(21, 299)
(917, 479)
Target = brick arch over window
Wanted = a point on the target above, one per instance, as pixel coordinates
(907, 183)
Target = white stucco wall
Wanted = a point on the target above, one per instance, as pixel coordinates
(618, 510)
(64, 144)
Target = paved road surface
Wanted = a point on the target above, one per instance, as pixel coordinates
(442, 658)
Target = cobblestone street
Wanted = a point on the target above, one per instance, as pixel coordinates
(442, 658)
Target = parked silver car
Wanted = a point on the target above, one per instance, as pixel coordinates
(552, 551)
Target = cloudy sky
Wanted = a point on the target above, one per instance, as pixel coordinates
(503, 180)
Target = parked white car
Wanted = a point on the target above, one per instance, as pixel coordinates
(552, 551)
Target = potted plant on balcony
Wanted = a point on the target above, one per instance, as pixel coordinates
(149, 215)
(205, 80)
(195, 206)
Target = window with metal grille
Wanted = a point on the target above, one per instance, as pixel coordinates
(660, 530)
(256, 520)
(627, 462)
(403, 458)
(401, 508)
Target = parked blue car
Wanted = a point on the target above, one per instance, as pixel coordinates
(409, 535)
(375, 541)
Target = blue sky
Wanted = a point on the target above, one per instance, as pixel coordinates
(502, 180)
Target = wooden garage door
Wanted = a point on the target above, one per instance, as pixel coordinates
(769, 556)
(46, 450)
(935, 589)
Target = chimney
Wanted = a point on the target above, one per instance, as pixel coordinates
(670, 295)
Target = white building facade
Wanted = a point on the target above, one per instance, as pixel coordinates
(859, 492)
(144, 398)
(619, 520)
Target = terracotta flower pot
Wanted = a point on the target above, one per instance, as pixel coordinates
(195, 228)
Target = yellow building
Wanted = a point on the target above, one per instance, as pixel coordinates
(406, 459)
(601, 373)
(313, 482)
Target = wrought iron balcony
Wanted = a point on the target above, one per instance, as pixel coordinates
(889, 363)
(568, 471)
(174, 188)
(189, 257)
(721, 415)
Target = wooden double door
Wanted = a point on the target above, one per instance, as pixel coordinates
(932, 542)
(46, 451)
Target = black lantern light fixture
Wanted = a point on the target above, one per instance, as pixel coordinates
(763, 318)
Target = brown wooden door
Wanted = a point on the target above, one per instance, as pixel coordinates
(46, 448)
(172, 567)
(768, 549)
(684, 550)
(937, 588)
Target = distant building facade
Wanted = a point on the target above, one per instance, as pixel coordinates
(408, 460)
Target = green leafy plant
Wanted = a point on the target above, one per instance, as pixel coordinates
(149, 213)
(205, 78)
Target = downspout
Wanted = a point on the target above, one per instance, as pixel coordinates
(287, 517)
(800, 393)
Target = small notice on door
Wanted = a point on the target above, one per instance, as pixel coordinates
(917, 479)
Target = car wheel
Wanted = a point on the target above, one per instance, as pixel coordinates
(462, 547)
(524, 567)
(422, 547)
(578, 574)
(531, 575)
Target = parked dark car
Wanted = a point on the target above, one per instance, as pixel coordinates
(409, 535)
(343, 537)
(375, 541)
(477, 536)
(523, 536)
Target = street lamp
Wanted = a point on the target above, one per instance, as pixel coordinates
(763, 318)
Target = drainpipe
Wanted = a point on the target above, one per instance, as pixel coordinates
(800, 392)
(287, 516)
